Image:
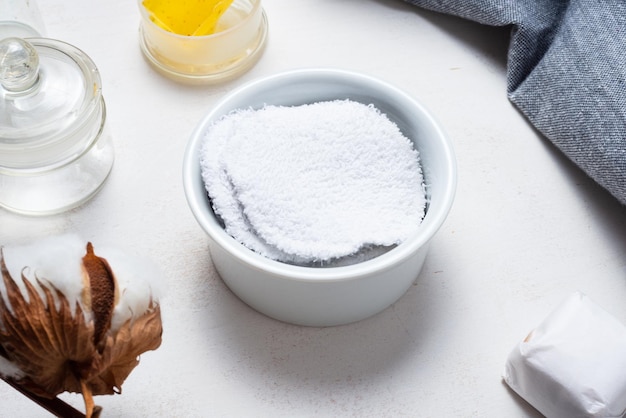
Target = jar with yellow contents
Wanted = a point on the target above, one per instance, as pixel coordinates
(200, 42)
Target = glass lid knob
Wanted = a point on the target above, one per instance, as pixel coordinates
(19, 64)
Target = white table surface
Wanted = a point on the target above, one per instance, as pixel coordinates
(527, 228)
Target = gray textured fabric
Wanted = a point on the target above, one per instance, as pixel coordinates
(566, 73)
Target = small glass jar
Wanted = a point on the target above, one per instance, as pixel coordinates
(55, 150)
(234, 47)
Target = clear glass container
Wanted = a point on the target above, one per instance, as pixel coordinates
(55, 150)
(236, 45)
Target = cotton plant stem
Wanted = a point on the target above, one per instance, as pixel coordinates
(91, 410)
(55, 405)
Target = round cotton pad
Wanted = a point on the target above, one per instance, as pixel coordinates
(314, 182)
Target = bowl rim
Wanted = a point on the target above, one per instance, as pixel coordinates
(199, 204)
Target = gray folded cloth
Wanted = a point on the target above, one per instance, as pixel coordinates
(566, 73)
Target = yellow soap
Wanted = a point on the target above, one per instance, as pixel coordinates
(187, 17)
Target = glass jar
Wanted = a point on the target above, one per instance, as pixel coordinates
(236, 45)
(55, 151)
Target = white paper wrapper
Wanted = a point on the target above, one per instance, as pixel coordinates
(573, 364)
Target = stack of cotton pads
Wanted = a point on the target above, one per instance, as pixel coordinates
(313, 184)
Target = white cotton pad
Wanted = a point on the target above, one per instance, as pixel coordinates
(313, 182)
(573, 364)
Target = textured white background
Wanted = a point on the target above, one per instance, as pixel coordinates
(527, 228)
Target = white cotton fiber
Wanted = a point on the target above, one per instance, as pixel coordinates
(9, 370)
(138, 282)
(56, 260)
(313, 182)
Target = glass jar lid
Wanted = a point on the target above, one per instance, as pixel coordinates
(49, 90)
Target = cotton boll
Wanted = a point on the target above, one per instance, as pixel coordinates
(74, 320)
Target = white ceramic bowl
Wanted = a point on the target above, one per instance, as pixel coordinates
(336, 295)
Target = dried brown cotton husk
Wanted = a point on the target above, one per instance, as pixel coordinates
(73, 321)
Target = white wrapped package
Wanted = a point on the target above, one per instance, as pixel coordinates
(573, 364)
